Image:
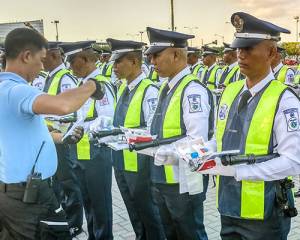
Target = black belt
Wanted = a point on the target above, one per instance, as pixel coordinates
(15, 187)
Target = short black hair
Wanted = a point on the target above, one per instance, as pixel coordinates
(21, 39)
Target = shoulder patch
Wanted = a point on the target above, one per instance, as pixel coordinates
(195, 103)
(292, 119)
(104, 101)
(152, 104)
(223, 111)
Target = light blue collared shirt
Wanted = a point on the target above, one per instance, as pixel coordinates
(22, 132)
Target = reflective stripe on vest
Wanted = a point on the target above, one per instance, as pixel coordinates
(153, 76)
(211, 82)
(133, 120)
(83, 146)
(54, 85)
(230, 75)
(107, 70)
(172, 120)
(297, 76)
(259, 135)
(282, 74)
(196, 69)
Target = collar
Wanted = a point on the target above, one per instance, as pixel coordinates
(172, 82)
(259, 86)
(231, 66)
(277, 68)
(12, 77)
(60, 67)
(212, 66)
(93, 74)
(136, 81)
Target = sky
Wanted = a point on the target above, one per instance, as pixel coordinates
(124, 19)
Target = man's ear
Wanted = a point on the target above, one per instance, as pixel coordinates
(273, 52)
(26, 56)
(176, 54)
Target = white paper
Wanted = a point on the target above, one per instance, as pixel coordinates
(78, 123)
(117, 146)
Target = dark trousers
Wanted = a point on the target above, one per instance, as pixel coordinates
(22, 221)
(136, 192)
(95, 178)
(276, 227)
(181, 214)
(66, 187)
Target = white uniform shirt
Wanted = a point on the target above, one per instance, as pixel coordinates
(150, 100)
(145, 69)
(39, 82)
(104, 107)
(286, 140)
(289, 77)
(196, 111)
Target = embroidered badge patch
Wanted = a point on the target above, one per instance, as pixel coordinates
(152, 103)
(104, 101)
(292, 119)
(195, 103)
(223, 112)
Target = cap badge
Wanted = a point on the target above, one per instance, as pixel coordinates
(238, 23)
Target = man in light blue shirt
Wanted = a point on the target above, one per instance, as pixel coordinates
(23, 133)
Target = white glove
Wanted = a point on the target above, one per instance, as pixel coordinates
(166, 155)
(218, 169)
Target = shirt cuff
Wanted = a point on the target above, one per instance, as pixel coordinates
(30, 103)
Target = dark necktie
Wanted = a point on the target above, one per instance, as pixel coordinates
(246, 95)
(205, 77)
(224, 75)
(164, 92)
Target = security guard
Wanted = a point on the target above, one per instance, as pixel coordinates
(282, 72)
(29, 209)
(258, 116)
(59, 79)
(193, 60)
(137, 100)
(107, 68)
(184, 109)
(231, 72)
(94, 165)
(212, 71)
